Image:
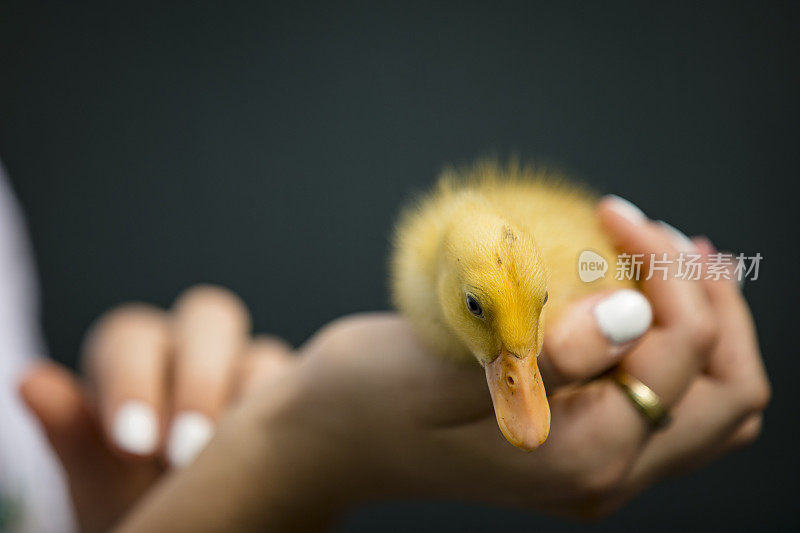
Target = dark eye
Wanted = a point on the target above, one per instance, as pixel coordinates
(546, 295)
(473, 306)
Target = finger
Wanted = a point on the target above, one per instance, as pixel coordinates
(674, 300)
(736, 361)
(738, 357)
(700, 420)
(747, 432)
(266, 359)
(126, 361)
(60, 405)
(102, 484)
(592, 335)
(669, 357)
(723, 408)
(210, 329)
(703, 422)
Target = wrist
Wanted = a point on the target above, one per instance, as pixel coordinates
(309, 469)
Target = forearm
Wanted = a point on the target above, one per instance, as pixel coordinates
(261, 472)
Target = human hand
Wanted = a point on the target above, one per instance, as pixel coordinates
(156, 382)
(369, 413)
(411, 424)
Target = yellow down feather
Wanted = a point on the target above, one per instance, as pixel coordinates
(509, 233)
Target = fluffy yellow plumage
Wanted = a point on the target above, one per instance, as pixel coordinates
(480, 261)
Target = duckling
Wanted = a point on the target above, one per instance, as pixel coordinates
(477, 265)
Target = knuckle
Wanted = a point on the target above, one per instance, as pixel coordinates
(756, 396)
(562, 359)
(127, 318)
(749, 431)
(338, 336)
(702, 331)
(270, 344)
(341, 345)
(121, 325)
(215, 299)
(557, 339)
(603, 466)
(604, 481)
(566, 367)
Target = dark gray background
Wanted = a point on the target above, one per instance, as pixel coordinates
(267, 148)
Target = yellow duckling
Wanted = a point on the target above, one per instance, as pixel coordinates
(480, 261)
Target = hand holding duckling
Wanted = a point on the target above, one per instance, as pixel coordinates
(370, 413)
(420, 425)
(367, 411)
(482, 260)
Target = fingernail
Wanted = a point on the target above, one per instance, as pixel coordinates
(626, 209)
(682, 242)
(136, 428)
(189, 434)
(623, 316)
(704, 243)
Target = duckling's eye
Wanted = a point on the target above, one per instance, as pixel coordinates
(546, 296)
(473, 306)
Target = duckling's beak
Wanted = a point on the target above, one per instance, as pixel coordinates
(520, 401)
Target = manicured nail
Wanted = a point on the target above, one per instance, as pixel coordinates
(189, 434)
(136, 428)
(623, 316)
(626, 209)
(682, 242)
(705, 245)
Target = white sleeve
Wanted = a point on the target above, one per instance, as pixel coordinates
(31, 481)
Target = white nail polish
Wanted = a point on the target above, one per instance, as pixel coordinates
(626, 209)
(682, 242)
(135, 428)
(623, 316)
(189, 434)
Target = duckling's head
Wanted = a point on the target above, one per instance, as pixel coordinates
(492, 288)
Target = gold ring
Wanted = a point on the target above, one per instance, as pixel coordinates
(644, 399)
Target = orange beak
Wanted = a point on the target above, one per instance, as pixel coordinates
(520, 401)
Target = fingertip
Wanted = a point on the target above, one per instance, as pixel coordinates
(127, 358)
(57, 400)
(135, 428)
(623, 316)
(53, 394)
(211, 326)
(189, 433)
(271, 345)
(747, 432)
(266, 359)
(593, 334)
(704, 245)
(680, 241)
(217, 303)
(628, 227)
(621, 207)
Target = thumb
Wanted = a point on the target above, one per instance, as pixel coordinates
(57, 400)
(592, 335)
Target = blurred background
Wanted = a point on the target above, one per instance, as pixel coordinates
(267, 148)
